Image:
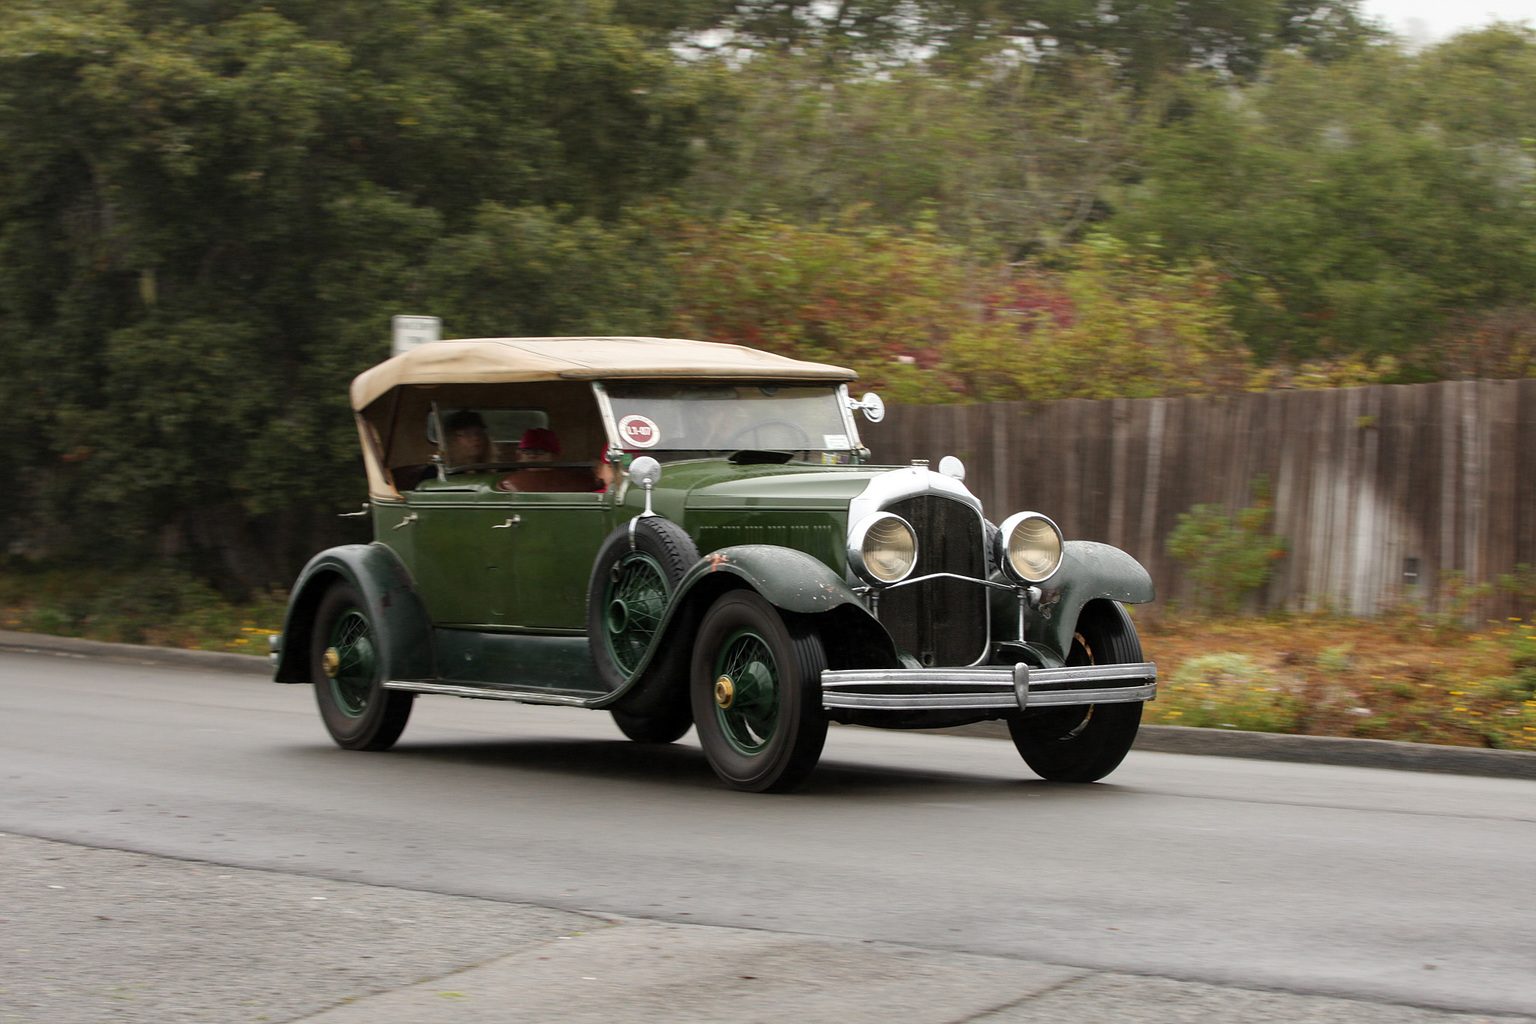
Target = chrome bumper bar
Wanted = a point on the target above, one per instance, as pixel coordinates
(991, 688)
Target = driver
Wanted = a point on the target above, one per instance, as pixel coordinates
(468, 443)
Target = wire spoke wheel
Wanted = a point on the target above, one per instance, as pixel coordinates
(633, 578)
(355, 663)
(348, 664)
(756, 693)
(747, 692)
(633, 603)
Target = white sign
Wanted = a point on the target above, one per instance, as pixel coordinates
(639, 431)
(410, 331)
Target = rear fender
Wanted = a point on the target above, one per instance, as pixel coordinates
(403, 632)
(1089, 571)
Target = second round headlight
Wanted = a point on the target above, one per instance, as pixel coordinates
(882, 548)
(1031, 547)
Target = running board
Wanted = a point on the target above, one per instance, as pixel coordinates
(530, 695)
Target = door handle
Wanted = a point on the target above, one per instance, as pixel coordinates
(514, 521)
(407, 521)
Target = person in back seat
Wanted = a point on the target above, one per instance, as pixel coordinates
(538, 448)
(538, 444)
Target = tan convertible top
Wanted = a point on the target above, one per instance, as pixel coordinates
(501, 360)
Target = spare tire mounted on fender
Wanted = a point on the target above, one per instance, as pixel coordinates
(636, 572)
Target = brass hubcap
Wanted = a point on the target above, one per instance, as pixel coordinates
(331, 661)
(725, 692)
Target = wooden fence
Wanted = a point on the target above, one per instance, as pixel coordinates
(1378, 489)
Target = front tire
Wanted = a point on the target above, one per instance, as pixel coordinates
(1085, 743)
(756, 694)
(347, 668)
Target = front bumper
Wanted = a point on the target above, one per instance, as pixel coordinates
(989, 688)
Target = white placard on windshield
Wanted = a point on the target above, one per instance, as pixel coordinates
(639, 431)
(834, 440)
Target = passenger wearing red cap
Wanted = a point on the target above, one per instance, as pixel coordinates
(539, 444)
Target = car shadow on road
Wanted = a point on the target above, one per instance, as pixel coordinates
(683, 766)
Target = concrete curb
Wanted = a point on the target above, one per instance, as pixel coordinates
(138, 654)
(1340, 750)
(1166, 739)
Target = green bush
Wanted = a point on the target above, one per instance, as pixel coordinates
(1226, 691)
(1227, 555)
(163, 605)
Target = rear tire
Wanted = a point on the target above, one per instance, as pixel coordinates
(663, 728)
(756, 692)
(347, 668)
(1085, 743)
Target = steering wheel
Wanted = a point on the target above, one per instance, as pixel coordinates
(757, 428)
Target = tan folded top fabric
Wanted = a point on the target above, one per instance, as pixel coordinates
(497, 360)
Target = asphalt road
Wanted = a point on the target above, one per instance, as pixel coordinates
(505, 856)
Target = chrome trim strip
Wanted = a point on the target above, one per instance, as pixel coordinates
(492, 693)
(997, 687)
(986, 702)
(907, 482)
(948, 576)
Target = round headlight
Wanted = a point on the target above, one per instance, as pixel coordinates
(882, 548)
(1031, 547)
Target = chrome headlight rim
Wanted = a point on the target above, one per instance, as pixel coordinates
(1005, 536)
(858, 544)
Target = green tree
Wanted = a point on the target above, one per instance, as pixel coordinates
(210, 208)
(1353, 207)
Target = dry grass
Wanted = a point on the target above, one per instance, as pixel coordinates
(1401, 677)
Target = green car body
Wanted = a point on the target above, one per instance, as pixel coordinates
(726, 588)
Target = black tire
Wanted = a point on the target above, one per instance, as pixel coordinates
(632, 579)
(756, 692)
(349, 684)
(661, 728)
(1084, 744)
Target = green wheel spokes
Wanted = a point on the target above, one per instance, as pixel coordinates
(751, 712)
(352, 682)
(635, 600)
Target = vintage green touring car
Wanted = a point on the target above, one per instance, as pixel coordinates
(691, 534)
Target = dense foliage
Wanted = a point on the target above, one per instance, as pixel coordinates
(209, 209)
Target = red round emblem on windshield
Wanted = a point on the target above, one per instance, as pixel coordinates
(638, 431)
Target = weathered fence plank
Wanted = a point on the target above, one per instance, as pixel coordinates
(1368, 484)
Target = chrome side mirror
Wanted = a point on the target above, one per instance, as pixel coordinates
(952, 467)
(871, 405)
(645, 472)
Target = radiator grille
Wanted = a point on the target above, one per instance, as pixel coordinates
(940, 622)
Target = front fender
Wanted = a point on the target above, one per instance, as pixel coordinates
(792, 581)
(1089, 571)
(403, 632)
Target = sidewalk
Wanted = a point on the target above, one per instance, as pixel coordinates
(109, 935)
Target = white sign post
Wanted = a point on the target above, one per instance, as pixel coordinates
(410, 331)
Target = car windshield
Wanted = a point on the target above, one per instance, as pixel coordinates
(729, 417)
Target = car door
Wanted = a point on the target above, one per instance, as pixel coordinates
(450, 532)
(550, 540)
